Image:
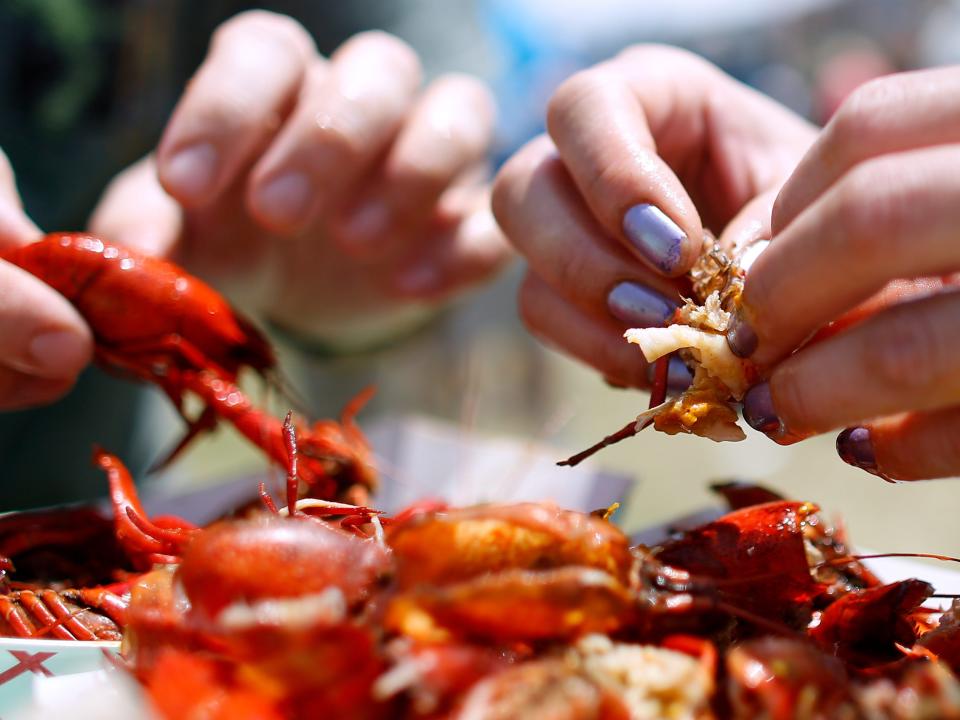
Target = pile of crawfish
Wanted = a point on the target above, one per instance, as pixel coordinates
(325, 607)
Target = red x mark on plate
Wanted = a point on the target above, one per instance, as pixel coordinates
(26, 662)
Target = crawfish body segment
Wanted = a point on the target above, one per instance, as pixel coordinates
(88, 614)
(145, 313)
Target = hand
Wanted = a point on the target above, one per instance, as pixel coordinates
(644, 151)
(319, 193)
(865, 251)
(44, 343)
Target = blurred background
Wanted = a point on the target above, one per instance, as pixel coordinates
(86, 87)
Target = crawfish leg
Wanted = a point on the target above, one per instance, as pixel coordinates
(206, 421)
(51, 624)
(67, 616)
(156, 355)
(16, 617)
(108, 603)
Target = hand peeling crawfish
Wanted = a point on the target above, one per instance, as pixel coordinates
(697, 335)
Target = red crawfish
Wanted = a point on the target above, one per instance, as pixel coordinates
(154, 322)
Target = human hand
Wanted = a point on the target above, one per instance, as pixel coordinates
(643, 152)
(44, 343)
(864, 254)
(319, 193)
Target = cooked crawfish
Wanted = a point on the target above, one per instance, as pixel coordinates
(696, 332)
(156, 323)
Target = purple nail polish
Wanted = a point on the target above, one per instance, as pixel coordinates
(741, 338)
(679, 376)
(855, 448)
(658, 238)
(758, 409)
(639, 306)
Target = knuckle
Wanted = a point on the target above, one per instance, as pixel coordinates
(907, 351)
(513, 178)
(870, 209)
(390, 51)
(282, 29)
(570, 271)
(573, 91)
(334, 139)
(654, 55)
(863, 118)
(416, 176)
(875, 98)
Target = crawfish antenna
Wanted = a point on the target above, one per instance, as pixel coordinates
(290, 441)
(658, 394)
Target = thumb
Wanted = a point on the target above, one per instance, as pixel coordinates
(15, 227)
(44, 343)
(137, 213)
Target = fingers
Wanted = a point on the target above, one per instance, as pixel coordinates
(234, 104)
(908, 446)
(15, 227)
(750, 225)
(447, 132)
(889, 115)
(564, 326)
(467, 248)
(901, 359)
(890, 217)
(632, 129)
(135, 212)
(45, 342)
(541, 212)
(347, 113)
(602, 133)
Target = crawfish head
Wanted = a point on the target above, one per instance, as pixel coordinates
(247, 561)
(451, 546)
(864, 628)
(755, 558)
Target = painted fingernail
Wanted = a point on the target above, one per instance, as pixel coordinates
(192, 172)
(639, 306)
(658, 238)
(58, 353)
(855, 448)
(741, 338)
(758, 409)
(679, 376)
(284, 201)
(367, 225)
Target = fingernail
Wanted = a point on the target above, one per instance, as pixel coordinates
(679, 376)
(192, 172)
(284, 201)
(368, 224)
(417, 280)
(758, 409)
(741, 338)
(639, 306)
(57, 353)
(855, 448)
(658, 238)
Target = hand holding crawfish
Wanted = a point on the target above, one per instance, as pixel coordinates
(154, 322)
